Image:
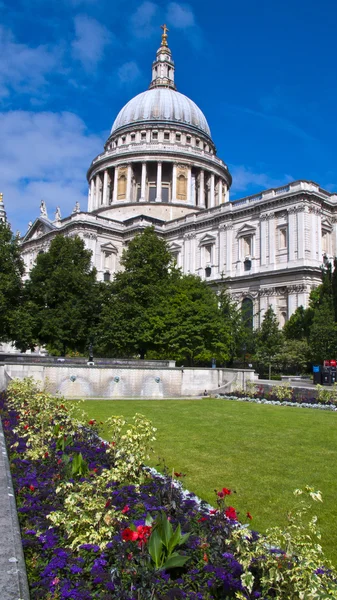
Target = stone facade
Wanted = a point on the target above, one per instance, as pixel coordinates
(159, 167)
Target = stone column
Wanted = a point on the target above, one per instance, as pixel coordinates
(292, 301)
(229, 242)
(263, 307)
(189, 185)
(92, 195)
(193, 253)
(220, 191)
(319, 235)
(98, 191)
(143, 184)
(221, 249)
(201, 199)
(128, 184)
(159, 176)
(114, 196)
(174, 182)
(263, 235)
(313, 241)
(271, 236)
(226, 193)
(212, 190)
(105, 188)
(291, 233)
(300, 233)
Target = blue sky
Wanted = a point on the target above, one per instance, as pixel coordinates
(264, 74)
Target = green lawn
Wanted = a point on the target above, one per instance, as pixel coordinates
(262, 452)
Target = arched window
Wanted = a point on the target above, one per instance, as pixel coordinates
(107, 276)
(247, 312)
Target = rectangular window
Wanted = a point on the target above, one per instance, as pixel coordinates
(143, 135)
(133, 137)
(166, 135)
(178, 137)
(188, 139)
(155, 135)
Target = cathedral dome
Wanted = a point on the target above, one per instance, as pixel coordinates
(158, 105)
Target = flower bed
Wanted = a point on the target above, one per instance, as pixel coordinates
(97, 525)
(321, 398)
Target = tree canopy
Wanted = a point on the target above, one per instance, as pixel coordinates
(11, 271)
(61, 298)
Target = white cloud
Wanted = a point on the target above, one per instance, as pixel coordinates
(180, 15)
(128, 72)
(23, 68)
(245, 178)
(142, 21)
(44, 156)
(91, 40)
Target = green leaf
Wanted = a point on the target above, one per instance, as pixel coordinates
(166, 530)
(184, 538)
(148, 520)
(155, 547)
(175, 560)
(175, 539)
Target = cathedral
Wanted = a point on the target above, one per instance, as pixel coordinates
(159, 167)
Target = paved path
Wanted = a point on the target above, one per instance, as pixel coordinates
(13, 578)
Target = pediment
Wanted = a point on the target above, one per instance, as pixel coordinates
(174, 247)
(109, 247)
(207, 239)
(327, 225)
(39, 228)
(246, 229)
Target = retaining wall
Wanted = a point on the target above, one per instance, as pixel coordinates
(74, 381)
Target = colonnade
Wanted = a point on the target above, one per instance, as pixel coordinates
(146, 181)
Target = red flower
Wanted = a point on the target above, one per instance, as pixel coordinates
(26, 427)
(130, 556)
(202, 519)
(32, 488)
(249, 516)
(178, 474)
(143, 533)
(6, 423)
(129, 536)
(125, 509)
(205, 557)
(226, 491)
(92, 422)
(213, 511)
(46, 454)
(59, 461)
(230, 513)
(108, 503)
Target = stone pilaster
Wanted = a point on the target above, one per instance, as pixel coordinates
(159, 182)
(201, 199)
(143, 183)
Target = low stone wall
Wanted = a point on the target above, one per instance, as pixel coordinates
(74, 381)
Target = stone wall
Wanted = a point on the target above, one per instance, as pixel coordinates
(73, 381)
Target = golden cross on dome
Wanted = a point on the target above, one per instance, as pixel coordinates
(164, 36)
(1, 197)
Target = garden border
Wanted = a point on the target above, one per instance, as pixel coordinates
(329, 407)
(13, 575)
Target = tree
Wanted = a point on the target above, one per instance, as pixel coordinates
(62, 298)
(11, 271)
(126, 326)
(298, 325)
(269, 339)
(155, 311)
(323, 332)
(190, 324)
